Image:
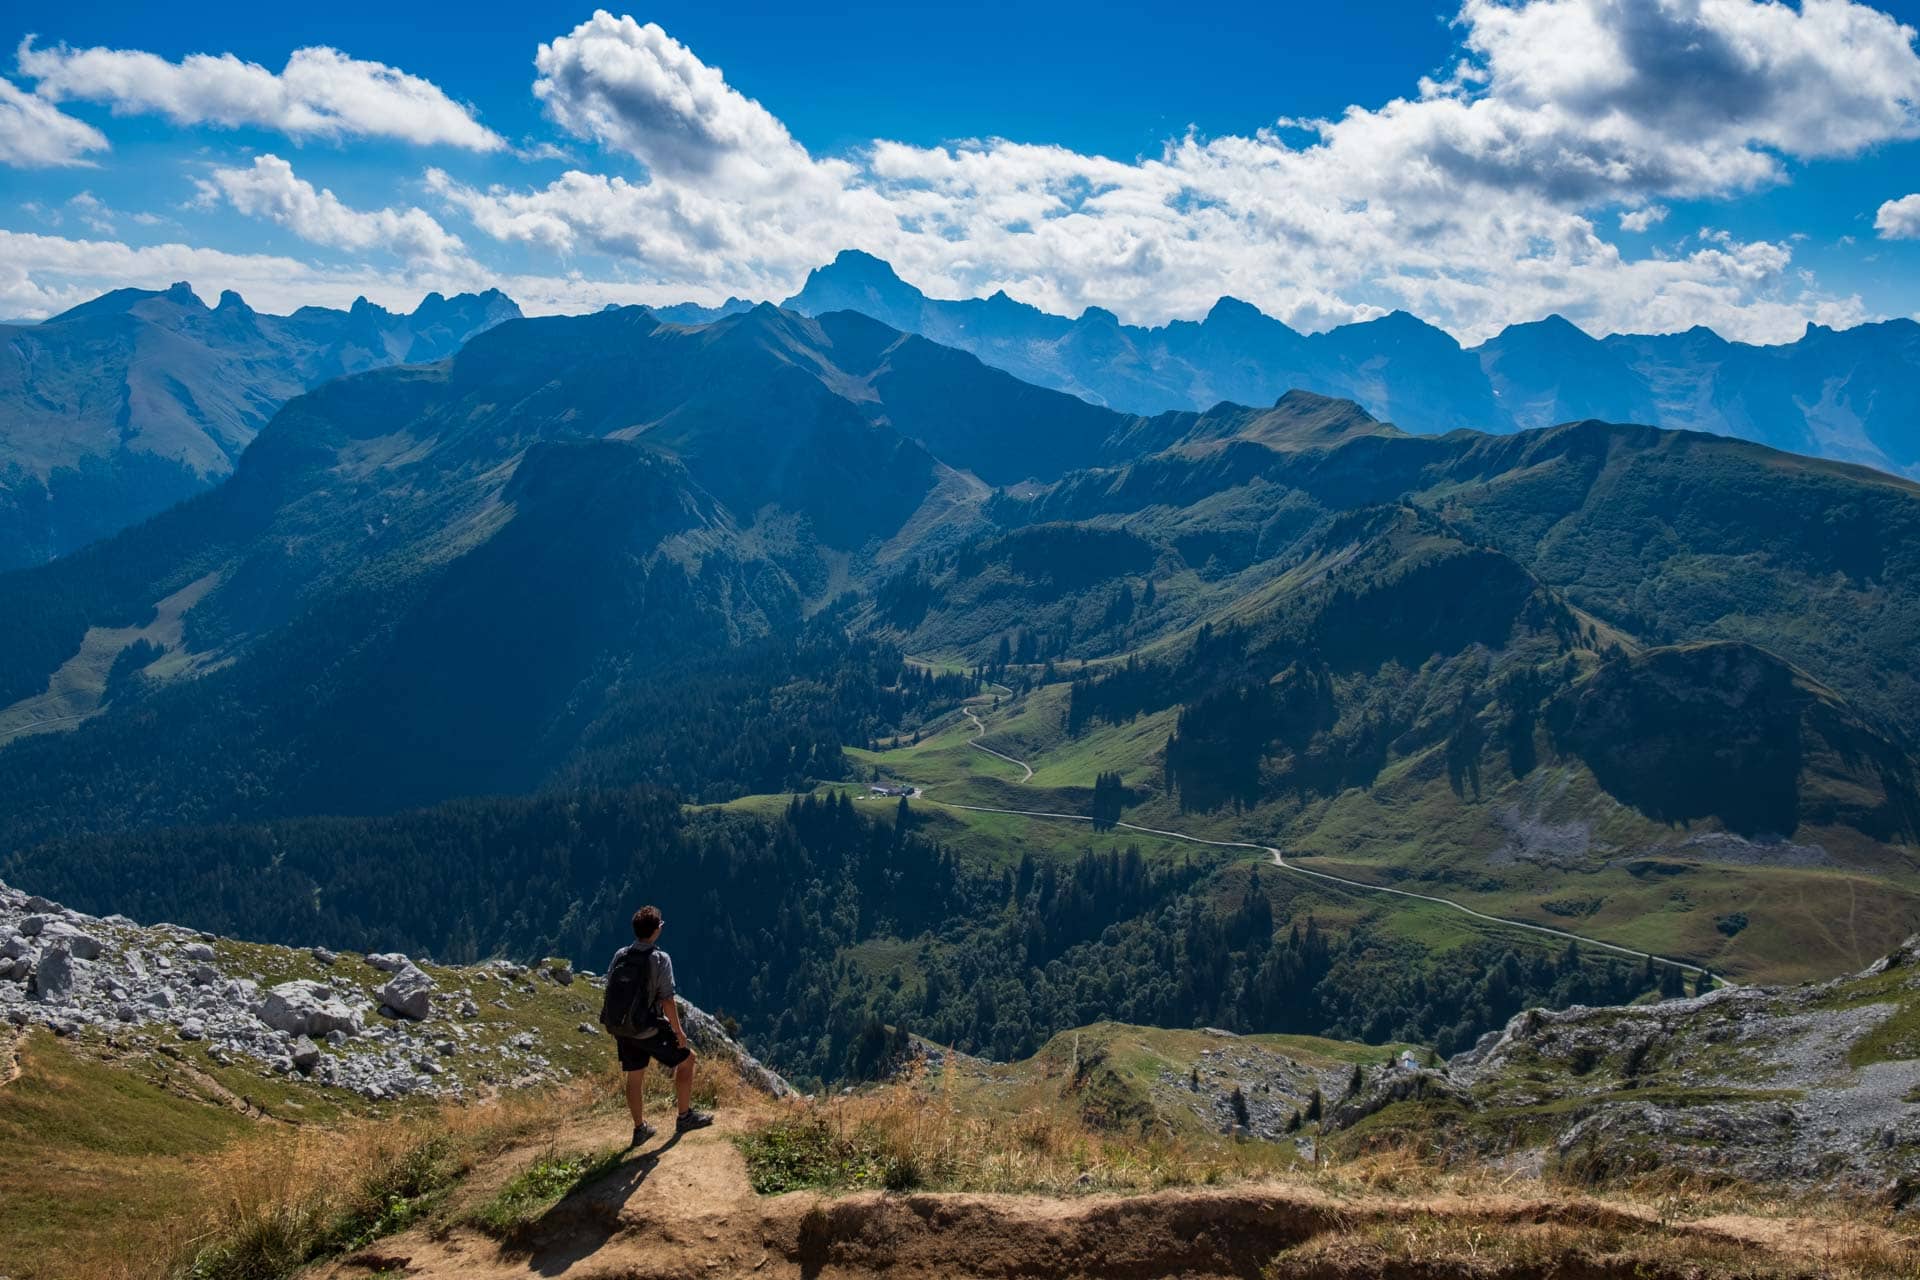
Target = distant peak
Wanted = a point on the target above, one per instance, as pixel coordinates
(181, 292)
(1554, 320)
(1299, 401)
(1099, 315)
(860, 262)
(231, 301)
(1229, 307)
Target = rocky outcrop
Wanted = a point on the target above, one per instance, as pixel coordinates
(710, 1039)
(1384, 1086)
(78, 975)
(75, 974)
(1810, 1087)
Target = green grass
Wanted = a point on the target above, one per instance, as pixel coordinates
(540, 1186)
(94, 1156)
(74, 690)
(809, 1153)
(943, 760)
(1896, 1039)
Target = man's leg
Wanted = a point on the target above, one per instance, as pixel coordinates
(683, 1086)
(636, 1096)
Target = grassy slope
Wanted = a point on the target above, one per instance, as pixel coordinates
(1551, 848)
(97, 1156)
(1132, 1081)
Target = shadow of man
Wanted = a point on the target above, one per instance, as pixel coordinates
(588, 1216)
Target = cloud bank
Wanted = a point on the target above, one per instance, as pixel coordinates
(271, 190)
(320, 93)
(1472, 202)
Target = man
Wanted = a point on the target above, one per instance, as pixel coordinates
(641, 1013)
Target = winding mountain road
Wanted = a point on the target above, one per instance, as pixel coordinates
(979, 731)
(1280, 861)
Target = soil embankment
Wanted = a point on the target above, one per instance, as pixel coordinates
(682, 1208)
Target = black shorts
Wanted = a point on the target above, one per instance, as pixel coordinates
(661, 1048)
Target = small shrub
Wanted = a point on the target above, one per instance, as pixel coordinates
(794, 1154)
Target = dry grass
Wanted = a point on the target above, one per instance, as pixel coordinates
(902, 1137)
(1412, 1210)
(288, 1196)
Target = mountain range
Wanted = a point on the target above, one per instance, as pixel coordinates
(122, 406)
(1847, 394)
(116, 409)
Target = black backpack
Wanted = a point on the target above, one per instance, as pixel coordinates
(632, 1007)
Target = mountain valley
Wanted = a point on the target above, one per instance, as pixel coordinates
(963, 723)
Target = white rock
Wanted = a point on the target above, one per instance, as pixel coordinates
(53, 975)
(80, 944)
(197, 951)
(306, 1008)
(408, 993)
(388, 961)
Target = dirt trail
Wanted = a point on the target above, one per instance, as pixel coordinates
(682, 1208)
(9, 1059)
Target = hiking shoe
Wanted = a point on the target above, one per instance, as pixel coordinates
(641, 1132)
(692, 1120)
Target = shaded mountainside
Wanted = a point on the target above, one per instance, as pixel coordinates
(1847, 394)
(127, 404)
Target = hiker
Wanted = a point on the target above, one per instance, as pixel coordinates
(640, 1011)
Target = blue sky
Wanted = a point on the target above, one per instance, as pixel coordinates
(1640, 165)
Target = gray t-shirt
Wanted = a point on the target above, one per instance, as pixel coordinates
(663, 975)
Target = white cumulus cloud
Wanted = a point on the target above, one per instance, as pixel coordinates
(1472, 202)
(1639, 220)
(1899, 219)
(321, 92)
(35, 134)
(270, 189)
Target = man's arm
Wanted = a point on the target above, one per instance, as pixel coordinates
(669, 1006)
